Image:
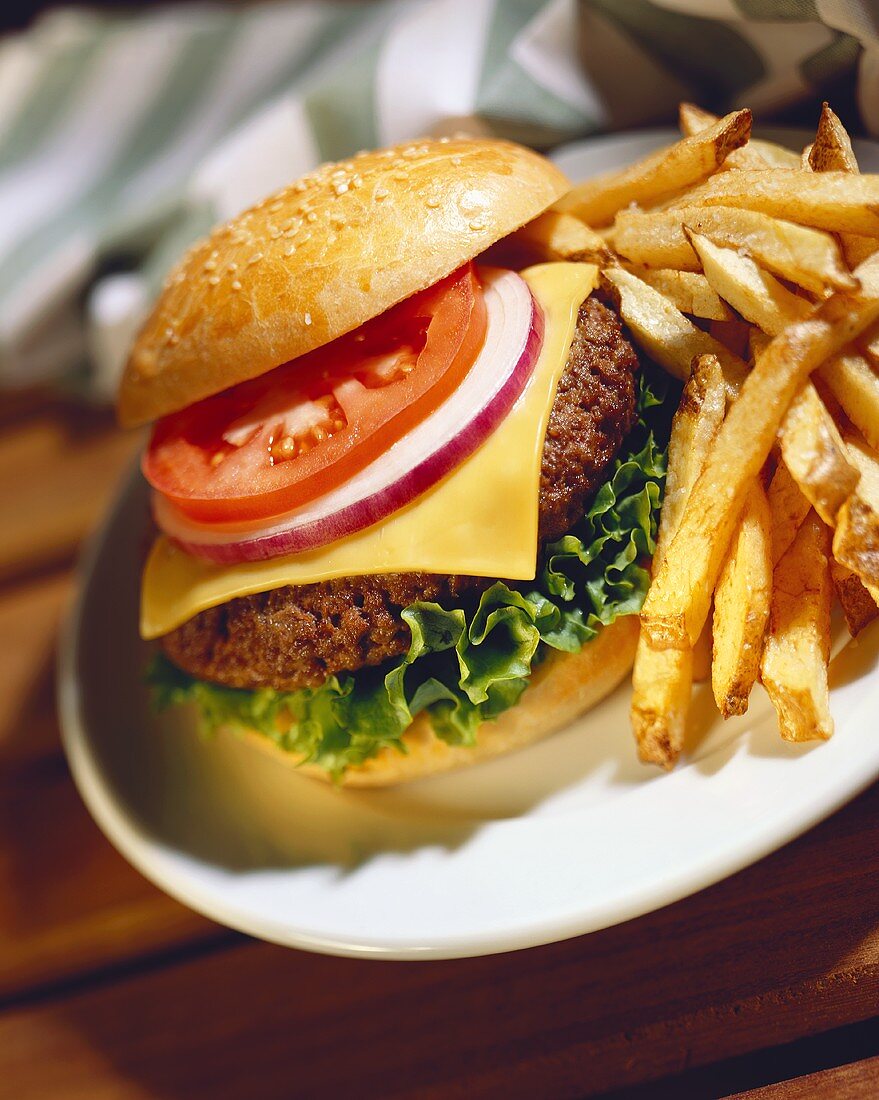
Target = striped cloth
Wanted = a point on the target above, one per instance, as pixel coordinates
(123, 138)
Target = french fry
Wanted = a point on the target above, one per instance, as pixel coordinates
(857, 248)
(832, 152)
(689, 291)
(859, 607)
(797, 645)
(663, 331)
(741, 606)
(756, 294)
(815, 455)
(559, 236)
(756, 154)
(692, 119)
(808, 257)
(856, 539)
(662, 174)
(700, 413)
(775, 155)
(855, 385)
(811, 445)
(836, 201)
(662, 679)
(677, 603)
(787, 509)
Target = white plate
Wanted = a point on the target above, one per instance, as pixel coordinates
(562, 838)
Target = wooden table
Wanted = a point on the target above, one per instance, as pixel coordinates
(110, 989)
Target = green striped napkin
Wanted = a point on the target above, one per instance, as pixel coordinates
(123, 138)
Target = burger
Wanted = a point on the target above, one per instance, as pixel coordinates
(405, 488)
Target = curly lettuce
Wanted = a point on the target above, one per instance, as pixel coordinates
(467, 666)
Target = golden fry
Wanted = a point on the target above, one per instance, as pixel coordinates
(815, 455)
(663, 331)
(856, 539)
(808, 257)
(757, 295)
(855, 385)
(662, 174)
(787, 509)
(662, 679)
(797, 645)
(858, 605)
(756, 154)
(811, 445)
(741, 606)
(678, 601)
(832, 152)
(559, 236)
(836, 201)
(689, 291)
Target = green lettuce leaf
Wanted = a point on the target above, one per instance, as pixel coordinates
(468, 666)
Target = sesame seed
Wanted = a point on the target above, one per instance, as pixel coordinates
(311, 216)
(477, 224)
(232, 266)
(236, 284)
(432, 203)
(380, 193)
(255, 258)
(289, 250)
(308, 318)
(214, 279)
(209, 265)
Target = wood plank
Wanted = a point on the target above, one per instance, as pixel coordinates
(787, 948)
(29, 618)
(74, 460)
(69, 904)
(856, 1081)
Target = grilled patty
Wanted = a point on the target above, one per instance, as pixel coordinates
(296, 636)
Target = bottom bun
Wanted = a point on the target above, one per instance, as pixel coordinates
(565, 686)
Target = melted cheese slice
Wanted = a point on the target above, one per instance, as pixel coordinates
(481, 520)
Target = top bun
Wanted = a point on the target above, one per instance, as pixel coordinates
(323, 256)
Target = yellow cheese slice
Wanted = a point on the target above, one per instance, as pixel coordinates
(481, 520)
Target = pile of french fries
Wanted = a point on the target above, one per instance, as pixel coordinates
(751, 273)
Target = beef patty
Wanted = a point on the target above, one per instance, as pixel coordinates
(296, 636)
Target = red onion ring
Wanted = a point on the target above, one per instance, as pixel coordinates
(416, 462)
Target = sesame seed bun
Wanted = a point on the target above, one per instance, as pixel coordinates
(323, 256)
(565, 686)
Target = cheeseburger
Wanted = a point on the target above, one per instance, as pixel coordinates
(405, 489)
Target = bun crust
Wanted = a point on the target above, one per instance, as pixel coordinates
(565, 686)
(323, 256)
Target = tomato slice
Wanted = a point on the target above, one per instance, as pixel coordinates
(267, 446)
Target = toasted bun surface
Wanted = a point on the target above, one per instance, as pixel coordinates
(321, 257)
(565, 686)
